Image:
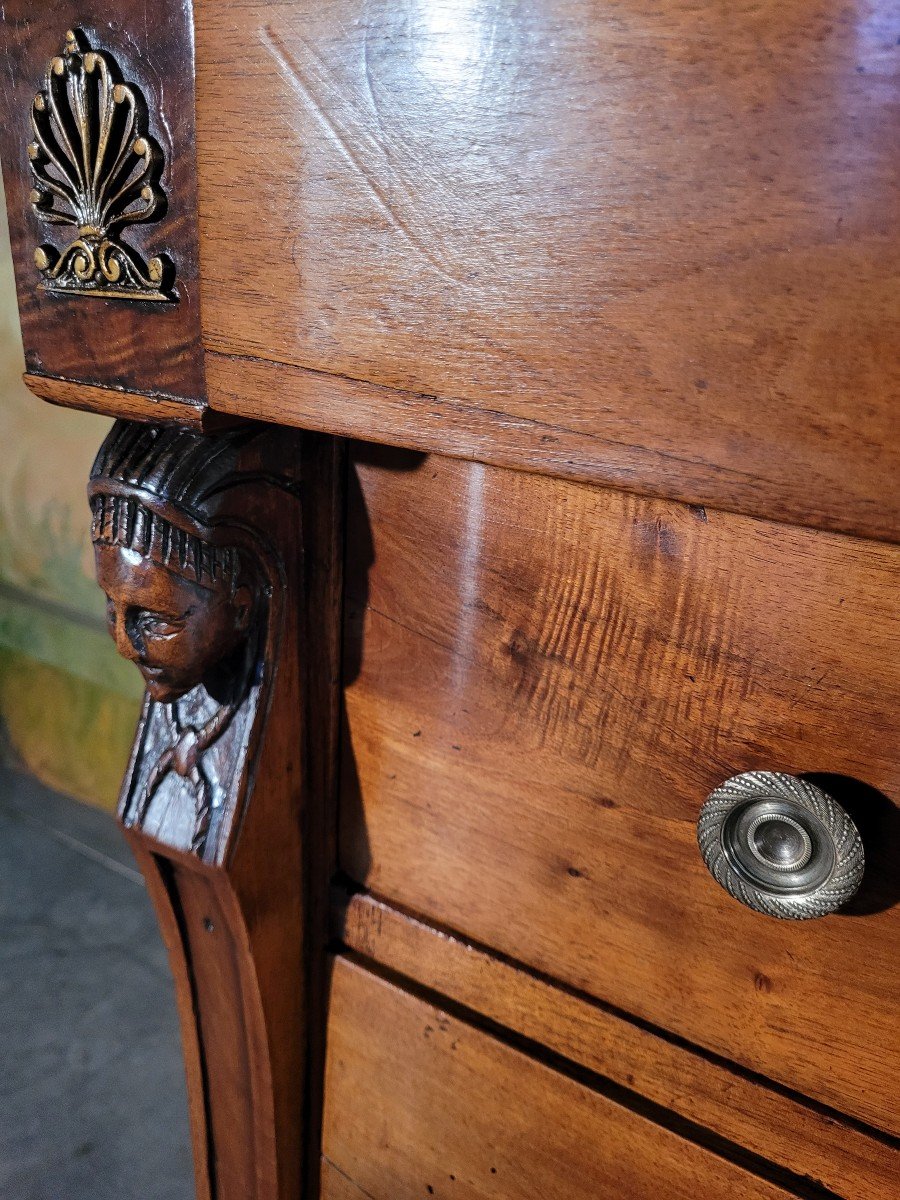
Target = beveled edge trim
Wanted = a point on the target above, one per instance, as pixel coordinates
(116, 402)
(307, 397)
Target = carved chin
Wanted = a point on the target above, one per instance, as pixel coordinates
(165, 690)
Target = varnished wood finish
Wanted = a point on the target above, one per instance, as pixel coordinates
(547, 679)
(242, 939)
(110, 402)
(224, 827)
(140, 346)
(324, 474)
(649, 245)
(804, 1140)
(240, 992)
(336, 1186)
(411, 233)
(419, 1103)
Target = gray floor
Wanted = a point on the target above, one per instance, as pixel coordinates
(92, 1098)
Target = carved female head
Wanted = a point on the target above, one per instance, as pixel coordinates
(179, 596)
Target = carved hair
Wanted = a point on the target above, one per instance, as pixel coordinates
(123, 521)
(158, 490)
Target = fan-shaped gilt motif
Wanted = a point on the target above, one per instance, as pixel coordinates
(95, 169)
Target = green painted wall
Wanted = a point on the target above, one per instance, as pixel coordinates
(68, 704)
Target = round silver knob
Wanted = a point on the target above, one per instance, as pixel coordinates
(780, 845)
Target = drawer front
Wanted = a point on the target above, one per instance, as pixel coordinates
(682, 281)
(805, 1140)
(419, 1103)
(545, 680)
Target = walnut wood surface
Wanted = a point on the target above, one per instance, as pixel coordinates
(111, 402)
(140, 346)
(240, 993)
(804, 1140)
(241, 921)
(324, 471)
(650, 245)
(545, 682)
(653, 247)
(201, 546)
(419, 1103)
(336, 1186)
(681, 282)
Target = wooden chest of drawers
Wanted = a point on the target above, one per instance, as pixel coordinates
(512, 391)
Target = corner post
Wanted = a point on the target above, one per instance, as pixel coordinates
(199, 546)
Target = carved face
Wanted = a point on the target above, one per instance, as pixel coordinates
(174, 630)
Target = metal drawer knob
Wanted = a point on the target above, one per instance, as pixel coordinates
(780, 845)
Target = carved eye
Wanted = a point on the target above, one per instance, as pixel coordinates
(156, 625)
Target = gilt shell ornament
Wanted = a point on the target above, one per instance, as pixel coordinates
(96, 169)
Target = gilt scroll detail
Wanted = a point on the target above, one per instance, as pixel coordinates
(96, 169)
(193, 599)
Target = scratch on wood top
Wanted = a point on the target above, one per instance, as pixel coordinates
(350, 147)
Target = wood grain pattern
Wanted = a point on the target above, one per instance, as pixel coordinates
(243, 938)
(199, 545)
(336, 1186)
(111, 402)
(418, 1103)
(545, 682)
(324, 471)
(801, 1139)
(145, 347)
(336, 404)
(657, 244)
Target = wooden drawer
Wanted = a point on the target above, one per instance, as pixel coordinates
(544, 682)
(798, 1138)
(419, 1103)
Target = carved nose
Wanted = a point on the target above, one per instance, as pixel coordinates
(124, 644)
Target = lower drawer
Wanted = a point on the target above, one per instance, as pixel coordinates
(419, 1103)
(543, 682)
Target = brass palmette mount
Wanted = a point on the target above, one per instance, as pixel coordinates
(96, 169)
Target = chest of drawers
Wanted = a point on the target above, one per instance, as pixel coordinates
(506, 459)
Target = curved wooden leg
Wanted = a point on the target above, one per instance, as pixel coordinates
(239, 976)
(212, 569)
